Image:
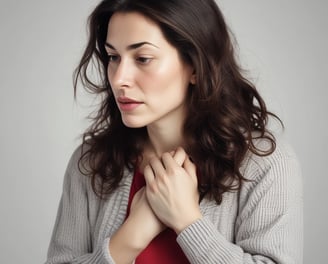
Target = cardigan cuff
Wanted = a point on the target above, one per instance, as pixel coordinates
(201, 243)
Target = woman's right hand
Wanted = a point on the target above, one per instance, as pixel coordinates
(136, 232)
(143, 217)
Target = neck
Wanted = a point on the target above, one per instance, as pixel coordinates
(165, 138)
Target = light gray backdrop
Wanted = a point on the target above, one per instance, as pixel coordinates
(282, 43)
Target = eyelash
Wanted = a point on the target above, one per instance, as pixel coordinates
(144, 60)
(112, 58)
(141, 60)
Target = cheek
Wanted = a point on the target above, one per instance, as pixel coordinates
(168, 89)
(166, 80)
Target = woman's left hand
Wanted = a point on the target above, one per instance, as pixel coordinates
(171, 189)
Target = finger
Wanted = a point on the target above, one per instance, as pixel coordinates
(158, 167)
(170, 163)
(179, 156)
(190, 168)
(149, 175)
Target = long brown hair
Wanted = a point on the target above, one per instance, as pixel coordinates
(225, 111)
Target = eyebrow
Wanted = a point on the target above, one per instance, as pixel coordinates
(132, 46)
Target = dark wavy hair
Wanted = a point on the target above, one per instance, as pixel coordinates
(225, 111)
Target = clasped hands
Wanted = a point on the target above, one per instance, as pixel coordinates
(170, 197)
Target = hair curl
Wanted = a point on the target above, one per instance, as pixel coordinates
(225, 111)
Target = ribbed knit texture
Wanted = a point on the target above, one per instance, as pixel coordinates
(262, 223)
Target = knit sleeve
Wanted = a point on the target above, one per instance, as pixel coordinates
(269, 225)
(71, 240)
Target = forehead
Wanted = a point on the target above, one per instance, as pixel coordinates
(133, 26)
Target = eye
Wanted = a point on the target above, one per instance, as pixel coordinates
(113, 58)
(144, 60)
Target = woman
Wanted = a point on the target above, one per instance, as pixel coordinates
(180, 165)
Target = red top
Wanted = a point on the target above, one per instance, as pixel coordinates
(163, 249)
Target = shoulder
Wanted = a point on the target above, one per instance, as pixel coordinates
(273, 181)
(73, 175)
(277, 175)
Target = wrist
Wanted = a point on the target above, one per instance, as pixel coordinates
(184, 223)
(137, 237)
(124, 245)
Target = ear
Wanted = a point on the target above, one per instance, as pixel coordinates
(193, 79)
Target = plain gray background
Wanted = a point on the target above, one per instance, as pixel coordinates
(282, 43)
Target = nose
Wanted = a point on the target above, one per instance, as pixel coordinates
(121, 75)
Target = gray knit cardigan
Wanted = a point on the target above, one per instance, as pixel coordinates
(261, 223)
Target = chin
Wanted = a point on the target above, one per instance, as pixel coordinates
(133, 124)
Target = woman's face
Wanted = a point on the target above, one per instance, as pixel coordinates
(148, 78)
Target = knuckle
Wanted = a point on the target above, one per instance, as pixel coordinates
(180, 150)
(153, 160)
(173, 171)
(161, 176)
(153, 187)
(166, 155)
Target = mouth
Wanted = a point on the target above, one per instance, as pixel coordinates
(127, 104)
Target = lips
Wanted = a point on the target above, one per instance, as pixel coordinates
(127, 104)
